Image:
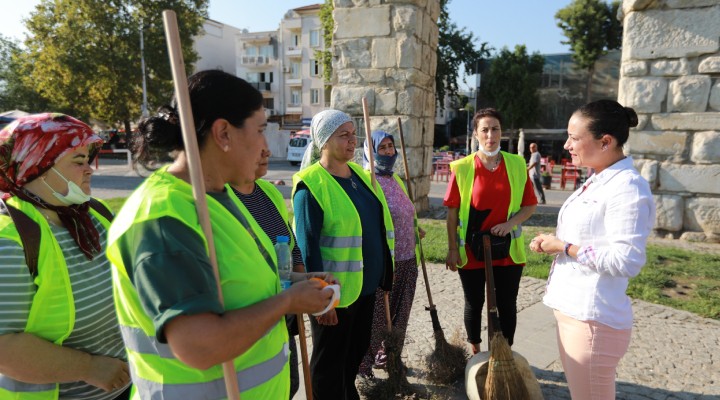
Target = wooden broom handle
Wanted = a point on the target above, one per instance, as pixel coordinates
(192, 153)
(304, 354)
(412, 199)
(368, 140)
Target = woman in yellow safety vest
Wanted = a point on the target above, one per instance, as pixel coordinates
(489, 193)
(59, 336)
(343, 226)
(176, 332)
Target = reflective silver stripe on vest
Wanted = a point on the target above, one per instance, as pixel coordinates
(248, 378)
(342, 266)
(391, 235)
(11, 385)
(515, 233)
(339, 242)
(137, 341)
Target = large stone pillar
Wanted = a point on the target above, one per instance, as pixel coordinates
(670, 75)
(387, 51)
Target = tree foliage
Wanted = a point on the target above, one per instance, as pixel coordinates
(592, 28)
(14, 93)
(512, 83)
(85, 54)
(456, 49)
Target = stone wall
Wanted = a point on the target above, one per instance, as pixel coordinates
(670, 75)
(386, 50)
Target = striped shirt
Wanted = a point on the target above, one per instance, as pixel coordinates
(96, 327)
(262, 208)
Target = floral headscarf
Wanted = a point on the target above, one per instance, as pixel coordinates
(29, 147)
(323, 125)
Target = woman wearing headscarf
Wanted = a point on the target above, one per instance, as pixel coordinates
(343, 226)
(407, 231)
(59, 336)
(176, 331)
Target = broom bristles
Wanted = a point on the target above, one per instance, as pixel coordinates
(446, 364)
(504, 381)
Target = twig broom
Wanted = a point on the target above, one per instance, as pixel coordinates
(446, 363)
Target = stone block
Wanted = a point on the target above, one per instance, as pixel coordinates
(348, 77)
(689, 94)
(710, 65)
(385, 102)
(649, 171)
(645, 95)
(372, 75)
(689, 178)
(669, 212)
(349, 98)
(409, 52)
(671, 33)
(656, 142)
(670, 67)
(634, 68)
(686, 121)
(642, 121)
(635, 5)
(353, 53)
(361, 22)
(413, 77)
(410, 101)
(703, 214)
(706, 147)
(688, 3)
(714, 102)
(384, 53)
(407, 19)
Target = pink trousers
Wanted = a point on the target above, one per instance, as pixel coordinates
(590, 352)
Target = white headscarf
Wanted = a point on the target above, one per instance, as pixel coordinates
(323, 125)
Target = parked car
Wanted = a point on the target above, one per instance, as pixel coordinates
(296, 148)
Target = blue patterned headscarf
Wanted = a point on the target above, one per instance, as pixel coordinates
(383, 164)
(323, 125)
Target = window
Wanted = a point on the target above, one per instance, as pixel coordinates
(252, 77)
(315, 96)
(295, 70)
(266, 51)
(314, 38)
(295, 97)
(296, 40)
(314, 68)
(251, 51)
(269, 103)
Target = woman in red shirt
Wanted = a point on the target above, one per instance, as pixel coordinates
(490, 201)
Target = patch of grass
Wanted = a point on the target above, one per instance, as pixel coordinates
(677, 278)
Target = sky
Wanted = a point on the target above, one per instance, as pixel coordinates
(500, 23)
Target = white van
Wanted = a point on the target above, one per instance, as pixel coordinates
(296, 148)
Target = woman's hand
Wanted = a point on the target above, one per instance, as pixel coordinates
(549, 244)
(501, 229)
(326, 276)
(308, 297)
(452, 259)
(329, 318)
(107, 373)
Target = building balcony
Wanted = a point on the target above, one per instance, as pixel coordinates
(261, 86)
(293, 81)
(294, 109)
(293, 51)
(256, 60)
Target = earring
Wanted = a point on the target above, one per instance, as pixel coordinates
(226, 148)
(604, 147)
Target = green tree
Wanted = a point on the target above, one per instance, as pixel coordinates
(592, 28)
(14, 93)
(85, 54)
(456, 49)
(512, 83)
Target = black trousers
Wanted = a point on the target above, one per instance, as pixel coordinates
(339, 349)
(507, 284)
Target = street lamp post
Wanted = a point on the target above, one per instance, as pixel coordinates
(144, 109)
(468, 140)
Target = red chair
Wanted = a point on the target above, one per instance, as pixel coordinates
(442, 169)
(570, 173)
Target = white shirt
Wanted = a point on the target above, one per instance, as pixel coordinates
(610, 218)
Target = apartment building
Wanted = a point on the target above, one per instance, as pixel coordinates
(215, 45)
(257, 62)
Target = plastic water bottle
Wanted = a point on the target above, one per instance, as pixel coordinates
(284, 260)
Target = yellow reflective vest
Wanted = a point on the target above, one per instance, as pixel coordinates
(341, 234)
(52, 313)
(464, 170)
(246, 278)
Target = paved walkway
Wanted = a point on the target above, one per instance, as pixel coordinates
(673, 354)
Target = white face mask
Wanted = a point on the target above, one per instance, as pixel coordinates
(75, 193)
(488, 153)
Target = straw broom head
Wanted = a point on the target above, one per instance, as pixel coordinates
(504, 381)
